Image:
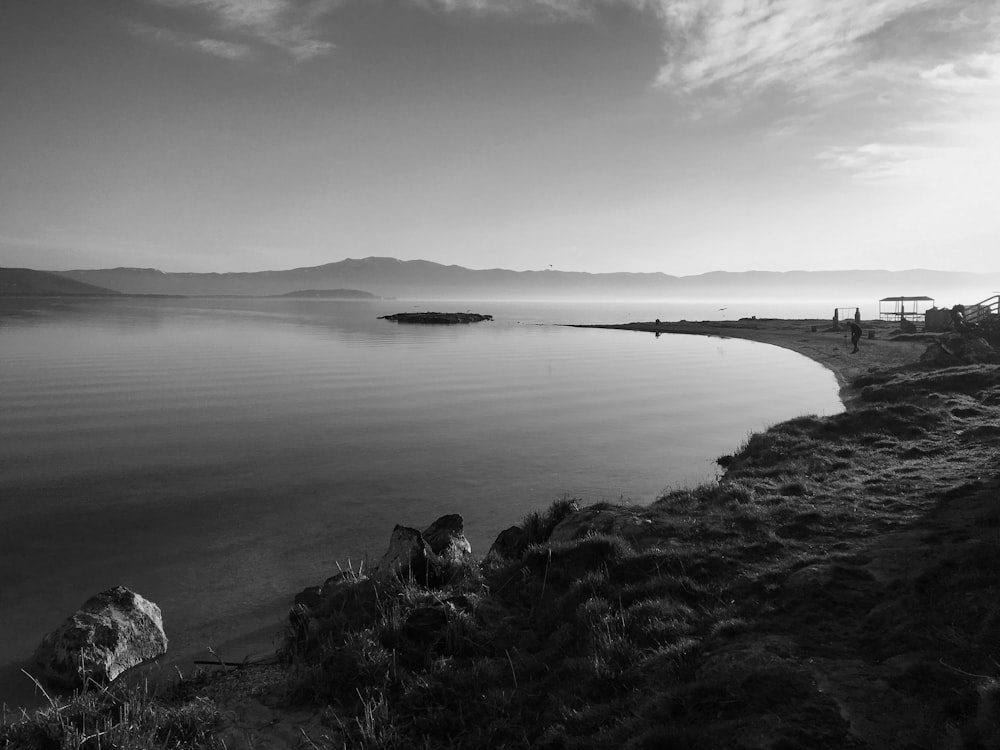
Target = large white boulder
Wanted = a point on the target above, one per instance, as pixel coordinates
(113, 631)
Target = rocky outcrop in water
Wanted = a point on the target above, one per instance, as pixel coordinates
(437, 318)
(113, 631)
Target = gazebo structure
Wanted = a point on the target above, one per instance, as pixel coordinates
(904, 308)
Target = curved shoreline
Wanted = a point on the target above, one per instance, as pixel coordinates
(829, 348)
(823, 346)
(836, 589)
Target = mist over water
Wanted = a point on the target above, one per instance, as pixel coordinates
(217, 455)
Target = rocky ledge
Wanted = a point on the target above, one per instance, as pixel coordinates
(437, 318)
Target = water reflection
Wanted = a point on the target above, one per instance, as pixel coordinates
(214, 454)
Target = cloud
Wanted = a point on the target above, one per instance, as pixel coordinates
(895, 164)
(219, 48)
(215, 47)
(289, 25)
(953, 142)
(900, 93)
(747, 45)
(548, 9)
(739, 49)
(975, 74)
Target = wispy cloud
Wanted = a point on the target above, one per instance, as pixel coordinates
(976, 74)
(548, 9)
(893, 163)
(738, 49)
(219, 48)
(289, 25)
(747, 45)
(215, 47)
(951, 143)
(890, 92)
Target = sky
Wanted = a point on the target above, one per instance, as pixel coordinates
(680, 136)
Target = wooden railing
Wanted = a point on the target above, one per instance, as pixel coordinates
(989, 306)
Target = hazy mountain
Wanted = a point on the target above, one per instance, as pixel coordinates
(18, 281)
(389, 277)
(386, 277)
(342, 294)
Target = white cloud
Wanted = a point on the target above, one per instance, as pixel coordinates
(219, 48)
(748, 45)
(903, 93)
(214, 47)
(974, 74)
(551, 9)
(290, 25)
(953, 144)
(896, 164)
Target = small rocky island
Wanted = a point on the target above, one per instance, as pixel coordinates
(437, 318)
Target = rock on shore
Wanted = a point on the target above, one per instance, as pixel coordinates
(113, 631)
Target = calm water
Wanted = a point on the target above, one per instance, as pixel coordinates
(218, 455)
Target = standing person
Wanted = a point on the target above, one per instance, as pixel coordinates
(857, 314)
(855, 336)
(958, 318)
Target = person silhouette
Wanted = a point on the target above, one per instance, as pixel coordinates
(855, 336)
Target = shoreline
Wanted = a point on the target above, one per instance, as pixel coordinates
(241, 635)
(825, 346)
(835, 588)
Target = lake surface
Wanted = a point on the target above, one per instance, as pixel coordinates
(218, 455)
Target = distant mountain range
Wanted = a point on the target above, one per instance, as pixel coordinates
(342, 294)
(26, 281)
(389, 277)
